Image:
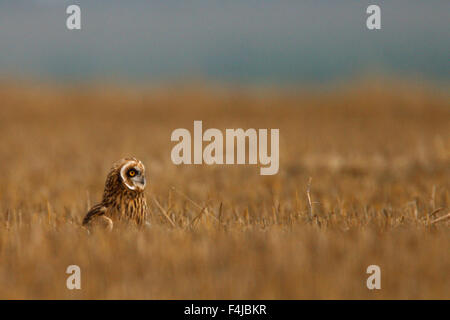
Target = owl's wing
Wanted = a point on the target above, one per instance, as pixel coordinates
(96, 211)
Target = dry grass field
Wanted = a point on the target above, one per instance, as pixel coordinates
(377, 153)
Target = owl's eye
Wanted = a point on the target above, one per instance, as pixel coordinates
(132, 173)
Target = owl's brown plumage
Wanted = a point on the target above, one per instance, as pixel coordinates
(123, 197)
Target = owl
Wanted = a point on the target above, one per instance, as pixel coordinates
(123, 198)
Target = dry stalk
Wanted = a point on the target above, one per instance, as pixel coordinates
(164, 212)
(202, 209)
(436, 211)
(440, 219)
(308, 195)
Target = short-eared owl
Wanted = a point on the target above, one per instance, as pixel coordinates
(123, 197)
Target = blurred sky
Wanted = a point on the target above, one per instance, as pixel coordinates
(228, 40)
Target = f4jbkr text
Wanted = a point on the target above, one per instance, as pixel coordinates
(235, 142)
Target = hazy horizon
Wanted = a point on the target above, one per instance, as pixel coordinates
(238, 41)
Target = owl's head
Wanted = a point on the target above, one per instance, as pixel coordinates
(132, 174)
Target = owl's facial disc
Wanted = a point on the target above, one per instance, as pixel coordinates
(133, 177)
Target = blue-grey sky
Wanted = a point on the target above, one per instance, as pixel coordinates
(224, 40)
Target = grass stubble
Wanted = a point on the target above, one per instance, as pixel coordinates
(364, 179)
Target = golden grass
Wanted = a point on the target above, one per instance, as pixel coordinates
(377, 155)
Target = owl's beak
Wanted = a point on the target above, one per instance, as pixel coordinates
(141, 183)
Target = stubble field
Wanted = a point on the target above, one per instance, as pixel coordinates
(376, 154)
